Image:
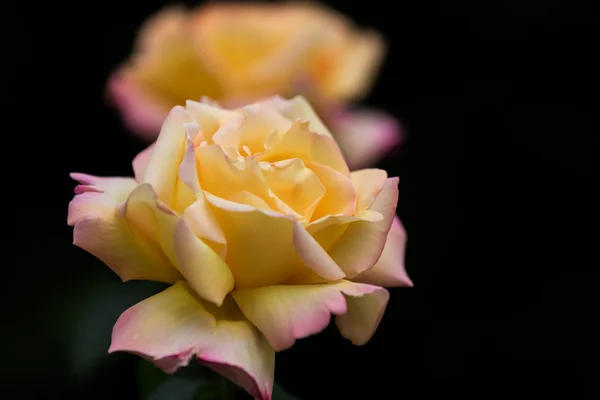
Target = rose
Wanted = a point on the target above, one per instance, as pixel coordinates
(240, 53)
(254, 218)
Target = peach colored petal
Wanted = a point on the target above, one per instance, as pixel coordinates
(161, 170)
(205, 271)
(358, 66)
(357, 245)
(340, 196)
(300, 142)
(298, 108)
(295, 184)
(141, 112)
(368, 184)
(172, 327)
(100, 230)
(266, 241)
(140, 162)
(365, 136)
(389, 270)
(285, 313)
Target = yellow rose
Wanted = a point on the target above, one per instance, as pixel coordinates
(254, 218)
(240, 53)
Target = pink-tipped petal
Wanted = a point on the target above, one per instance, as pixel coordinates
(141, 113)
(140, 162)
(365, 136)
(285, 313)
(100, 230)
(389, 270)
(356, 245)
(172, 327)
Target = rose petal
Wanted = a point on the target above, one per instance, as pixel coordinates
(111, 237)
(285, 313)
(205, 271)
(266, 241)
(357, 245)
(172, 327)
(141, 112)
(209, 117)
(340, 195)
(389, 270)
(357, 69)
(365, 136)
(140, 162)
(300, 142)
(295, 184)
(298, 108)
(368, 184)
(161, 170)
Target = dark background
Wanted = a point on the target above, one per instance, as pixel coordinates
(500, 103)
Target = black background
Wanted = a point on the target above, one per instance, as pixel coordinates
(499, 100)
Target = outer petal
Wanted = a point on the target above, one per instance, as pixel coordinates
(389, 270)
(162, 168)
(140, 162)
(358, 68)
(340, 196)
(173, 326)
(286, 313)
(365, 136)
(368, 184)
(357, 245)
(262, 247)
(141, 112)
(110, 237)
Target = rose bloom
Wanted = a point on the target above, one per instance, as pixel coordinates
(240, 53)
(254, 218)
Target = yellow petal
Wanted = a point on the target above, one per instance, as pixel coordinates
(340, 196)
(205, 271)
(295, 184)
(368, 184)
(209, 117)
(356, 243)
(285, 313)
(358, 67)
(298, 108)
(300, 142)
(172, 327)
(140, 162)
(266, 241)
(161, 171)
(251, 129)
(131, 253)
(389, 270)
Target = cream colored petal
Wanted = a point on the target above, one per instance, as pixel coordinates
(140, 162)
(300, 142)
(174, 326)
(285, 313)
(299, 108)
(340, 196)
(266, 241)
(389, 270)
(130, 252)
(162, 169)
(295, 184)
(368, 184)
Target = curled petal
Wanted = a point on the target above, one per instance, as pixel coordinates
(389, 270)
(162, 167)
(140, 162)
(298, 108)
(285, 313)
(100, 230)
(355, 244)
(172, 327)
(300, 142)
(266, 241)
(141, 112)
(365, 136)
(340, 195)
(368, 184)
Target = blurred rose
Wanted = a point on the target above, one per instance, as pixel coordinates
(240, 53)
(255, 219)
